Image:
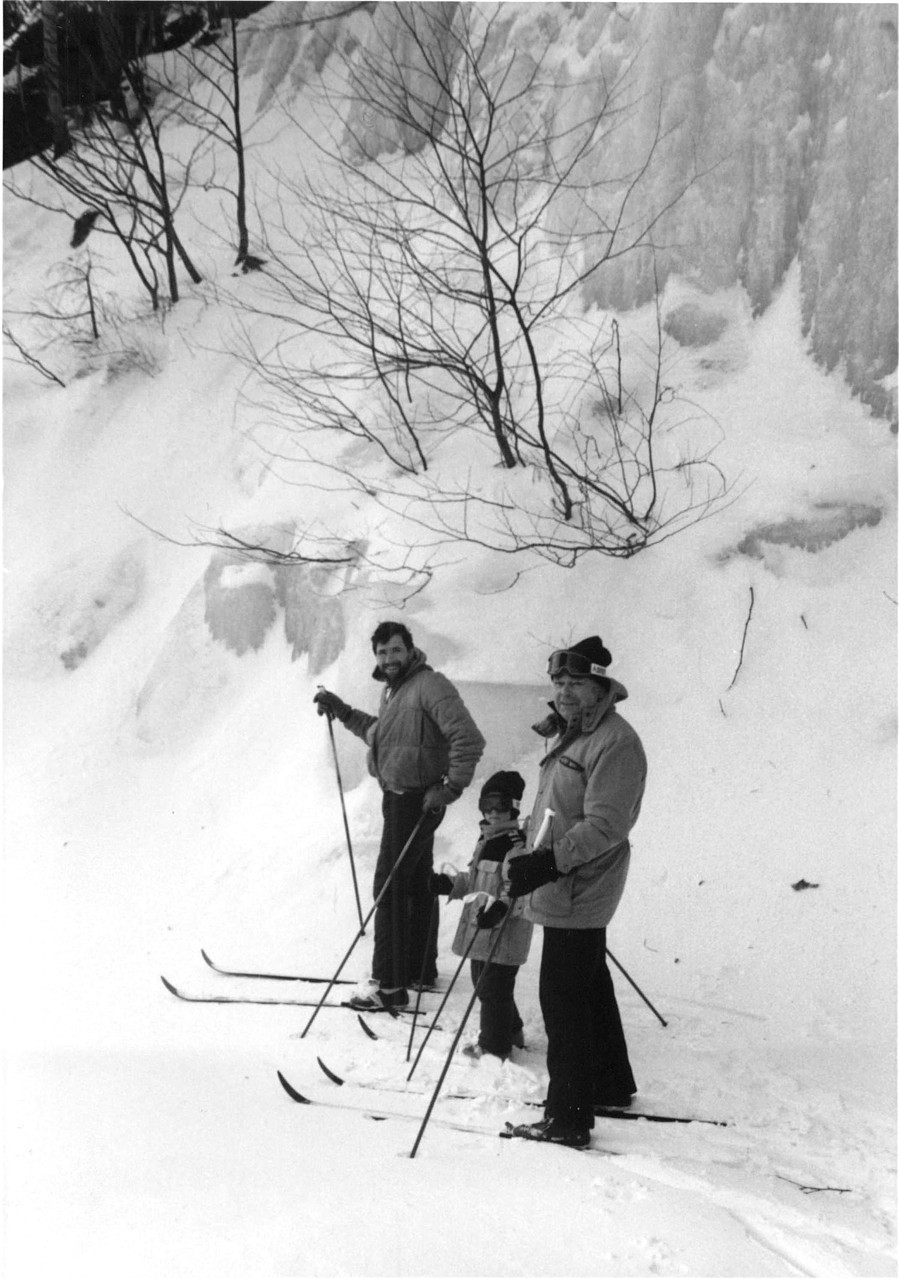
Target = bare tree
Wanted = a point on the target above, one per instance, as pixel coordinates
(118, 166)
(203, 87)
(437, 259)
(80, 325)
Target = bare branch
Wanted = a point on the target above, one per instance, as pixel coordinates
(431, 270)
(29, 358)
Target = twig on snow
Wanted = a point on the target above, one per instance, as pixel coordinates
(814, 1190)
(743, 642)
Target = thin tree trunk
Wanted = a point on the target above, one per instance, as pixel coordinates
(50, 15)
(243, 235)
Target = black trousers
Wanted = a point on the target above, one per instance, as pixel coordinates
(408, 911)
(500, 1019)
(586, 1052)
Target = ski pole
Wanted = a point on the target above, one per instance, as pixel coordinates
(424, 963)
(361, 932)
(636, 987)
(458, 1036)
(436, 1017)
(346, 826)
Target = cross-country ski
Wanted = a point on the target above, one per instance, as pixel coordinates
(387, 1113)
(601, 1112)
(274, 1002)
(262, 976)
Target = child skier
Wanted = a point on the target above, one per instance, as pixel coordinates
(501, 839)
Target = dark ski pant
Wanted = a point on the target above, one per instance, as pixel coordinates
(586, 1054)
(404, 918)
(500, 1019)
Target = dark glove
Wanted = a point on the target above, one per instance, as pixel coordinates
(330, 704)
(438, 796)
(440, 885)
(530, 871)
(490, 916)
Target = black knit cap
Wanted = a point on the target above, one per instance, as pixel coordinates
(509, 786)
(593, 650)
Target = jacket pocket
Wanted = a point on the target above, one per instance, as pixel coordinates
(554, 899)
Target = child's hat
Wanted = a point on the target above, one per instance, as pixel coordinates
(509, 787)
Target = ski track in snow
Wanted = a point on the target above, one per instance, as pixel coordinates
(743, 1170)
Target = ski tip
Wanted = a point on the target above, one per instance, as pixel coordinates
(365, 1026)
(292, 1092)
(335, 1079)
(168, 985)
(206, 958)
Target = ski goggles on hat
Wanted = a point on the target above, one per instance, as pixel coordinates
(565, 662)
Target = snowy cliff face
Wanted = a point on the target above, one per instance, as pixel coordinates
(792, 109)
(786, 112)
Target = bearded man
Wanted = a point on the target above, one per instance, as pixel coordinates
(423, 747)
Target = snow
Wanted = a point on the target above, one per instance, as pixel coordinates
(168, 786)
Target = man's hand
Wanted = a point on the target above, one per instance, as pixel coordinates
(530, 871)
(440, 885)
(330, 704)
(438, 796)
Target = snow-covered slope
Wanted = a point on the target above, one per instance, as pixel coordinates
(169, 787)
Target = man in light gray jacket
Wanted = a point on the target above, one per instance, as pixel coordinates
(423, 747)
(593, 780)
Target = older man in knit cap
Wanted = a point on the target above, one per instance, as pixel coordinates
(592, 778)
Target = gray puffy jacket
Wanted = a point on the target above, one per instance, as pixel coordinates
(422, 732)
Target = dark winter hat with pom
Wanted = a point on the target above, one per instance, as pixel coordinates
(508, 786)
(588, 657)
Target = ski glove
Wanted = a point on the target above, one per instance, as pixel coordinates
(330, 704)
(530, 871)
(440, 885)
(490, 916)
(438, 796)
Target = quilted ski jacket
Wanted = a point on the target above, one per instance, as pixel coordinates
(422, 733)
